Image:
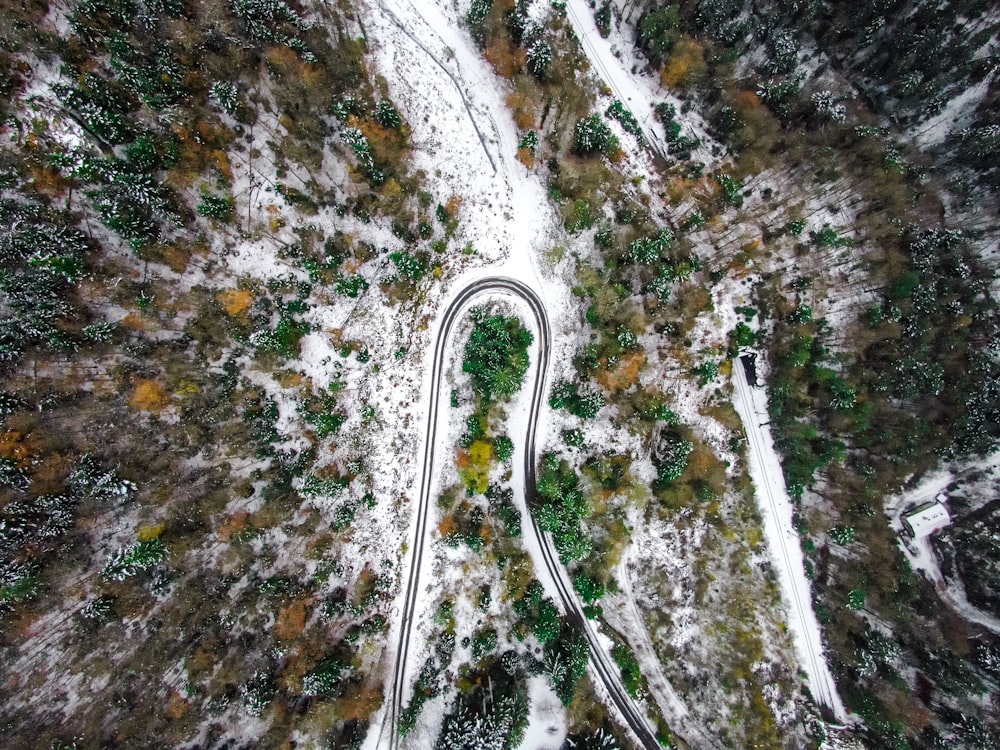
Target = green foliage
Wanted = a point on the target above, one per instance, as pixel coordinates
(580, 218)
(566, 395)
(273, 22)
(574, 438)
(828, 237)
(649, 250)
(602, 18)
(501, 502)
(617, 111)
(18, 583)
(538, 615)
(659, 30)
(476, 18)
(707, 372)
(529, 141)
(496, 355)
(410, 266)
(42, 259)
(387, 115)
(284, 339)
(589, 588)
(631, 674)
(134, 559)
(494, 714)
(324, 678)
(319, 410)
(503, 448)
(561, 506)
(219, 207)
(351, 286)
(732, 189)
(591, 135)
(744, 335)
(484, 643)
(842, 535)
(566, 661)
(671, 457)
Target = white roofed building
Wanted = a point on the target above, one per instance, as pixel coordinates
(926, 519)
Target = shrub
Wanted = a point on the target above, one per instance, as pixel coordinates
(592, 135)
(496, 355)
(219, 207)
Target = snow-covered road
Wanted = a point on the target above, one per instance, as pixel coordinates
(776, 509)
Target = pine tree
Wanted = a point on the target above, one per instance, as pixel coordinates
(134, 559)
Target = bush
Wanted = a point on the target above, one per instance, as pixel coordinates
(592, 136)
(219, 207)
(496, 355)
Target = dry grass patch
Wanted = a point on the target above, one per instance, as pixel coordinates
(292, 620)
(625, 375)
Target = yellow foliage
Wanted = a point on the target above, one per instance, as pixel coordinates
(236, 302)
(149, 395)
(151, 532)
(392, 189)
(188, 388)
(474, 465)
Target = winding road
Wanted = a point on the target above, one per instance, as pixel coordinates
(601, 661)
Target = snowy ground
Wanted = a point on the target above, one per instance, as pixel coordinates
(919, 551)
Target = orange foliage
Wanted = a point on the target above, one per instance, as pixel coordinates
(177, 706)
(701, 462)
(506, 59)
(454, 203)
(686, 63)
(233, 524)
(220, 161)
(447, 526)
(746, 100)
(176, 257)
(236, 302)
(380, 138)
(149, 395)
(281, 57)
(19, 447)
(134, 322)
(523, 109)
(626, 374)
(526, 156)
(48, 181)
(292, 620)
(360, 705)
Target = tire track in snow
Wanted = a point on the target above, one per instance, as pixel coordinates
(461, 92)
(796, 587)
(600, 660)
